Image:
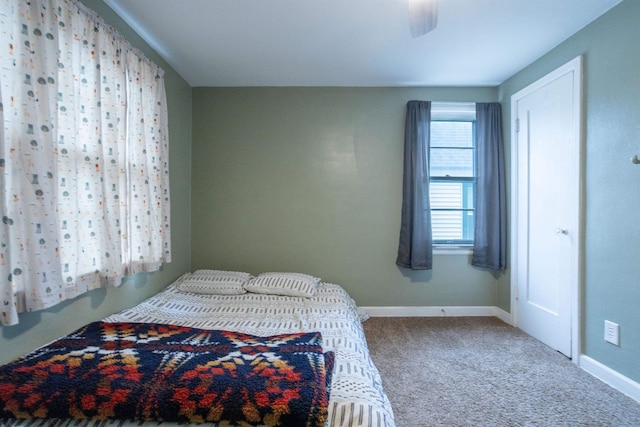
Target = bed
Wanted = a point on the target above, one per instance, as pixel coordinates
(320, 326)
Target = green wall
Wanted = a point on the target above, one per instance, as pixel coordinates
(310, 180)
(38, 328)
(611, 284)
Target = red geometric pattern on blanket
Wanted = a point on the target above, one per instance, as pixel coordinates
(158, 372)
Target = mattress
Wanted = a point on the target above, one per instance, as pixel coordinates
(356, 394)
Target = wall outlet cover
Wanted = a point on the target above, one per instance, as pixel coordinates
(612, 332)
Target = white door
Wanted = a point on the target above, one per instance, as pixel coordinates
(546, 159)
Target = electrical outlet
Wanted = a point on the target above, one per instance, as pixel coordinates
(612, 332)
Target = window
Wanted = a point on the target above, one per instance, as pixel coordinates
(83, 116)
(464, 203)
(452, 173)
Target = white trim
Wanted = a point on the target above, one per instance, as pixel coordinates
(609, 376)
(574, 66)
(503, 315)
(423, 311)
(453, 111)
(452, 250)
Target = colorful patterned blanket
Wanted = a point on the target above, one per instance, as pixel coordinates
(159, 372)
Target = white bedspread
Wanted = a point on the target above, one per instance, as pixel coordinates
(357, 397)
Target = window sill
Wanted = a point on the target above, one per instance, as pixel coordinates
(452, 249)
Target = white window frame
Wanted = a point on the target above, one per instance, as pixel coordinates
(453, 111)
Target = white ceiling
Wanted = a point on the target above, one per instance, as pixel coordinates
(352, 42)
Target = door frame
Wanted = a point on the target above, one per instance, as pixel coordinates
(574, 66)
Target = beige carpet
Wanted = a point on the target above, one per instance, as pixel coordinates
(477, 371)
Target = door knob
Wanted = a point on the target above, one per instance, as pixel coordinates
(562, 231)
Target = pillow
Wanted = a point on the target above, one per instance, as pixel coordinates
(287, 284)
(222, 273)
(215, 282)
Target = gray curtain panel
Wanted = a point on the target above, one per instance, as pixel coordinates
(415, 245)
(490, 240)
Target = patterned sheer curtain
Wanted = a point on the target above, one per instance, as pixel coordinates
(83, 156)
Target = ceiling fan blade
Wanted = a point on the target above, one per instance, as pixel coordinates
(423, 16)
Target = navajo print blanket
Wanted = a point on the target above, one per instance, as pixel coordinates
(160, 372)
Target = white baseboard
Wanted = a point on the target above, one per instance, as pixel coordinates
(611, 377)
(488, 311)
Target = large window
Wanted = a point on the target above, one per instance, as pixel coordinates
(84, 172)
(452, 173)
